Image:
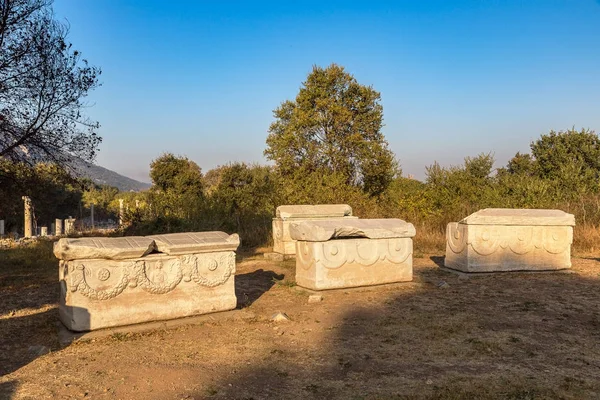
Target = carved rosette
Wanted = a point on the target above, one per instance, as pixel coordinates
(79, 283)
(156, 277)
(212, 270)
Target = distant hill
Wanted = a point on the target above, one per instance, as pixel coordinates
(103, 176)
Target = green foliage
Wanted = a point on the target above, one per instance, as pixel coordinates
(569, 158)
(176, 174)
(54, 193)
(178, 186)
(103, 198)
(521, 164)
(334, 125)
(242, 198)
(460, 190)
(244, 201)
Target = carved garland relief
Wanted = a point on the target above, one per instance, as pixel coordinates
(520, 240)
(277, 230)
(158, 278)
(336, 253)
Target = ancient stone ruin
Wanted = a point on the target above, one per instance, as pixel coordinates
(283, 243)
(499, 239)
(28, 223)
(108, 282)
(352, 252)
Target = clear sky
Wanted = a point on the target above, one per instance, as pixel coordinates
(457, 78)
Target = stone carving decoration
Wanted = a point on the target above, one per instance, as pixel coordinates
(103, 274)
(334, 254)
(105, 282)
(352, 253)
(157, 278)
(505, 240)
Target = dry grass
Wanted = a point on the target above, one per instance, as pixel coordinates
(586, 240)
(429, 240)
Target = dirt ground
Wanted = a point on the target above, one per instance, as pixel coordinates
(505, 336)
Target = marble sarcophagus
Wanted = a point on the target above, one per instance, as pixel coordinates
(283, 243)
(502, 239)
(107, 282)
(350, 253)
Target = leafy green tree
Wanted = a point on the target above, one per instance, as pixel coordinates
(43, 82)
(177, 186)
(179, 174)
(460, 190)
(521, 164)
(243, 200)
(334, 124)
(571, 158)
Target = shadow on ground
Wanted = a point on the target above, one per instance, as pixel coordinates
(511, 336)
(438, 260)
(250, 286)
(26, 338)
(7, 389)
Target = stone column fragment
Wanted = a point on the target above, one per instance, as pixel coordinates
(58, 227)
(69, 226)
(28, 227)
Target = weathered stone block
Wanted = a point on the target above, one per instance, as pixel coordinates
(497, 239)
(99, 293)
(288, 214)
(351, 253)
(109, 248)
(195, 242)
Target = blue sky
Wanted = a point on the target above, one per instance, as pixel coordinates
(457, 78)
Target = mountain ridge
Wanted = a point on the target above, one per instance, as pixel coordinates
(104, 176)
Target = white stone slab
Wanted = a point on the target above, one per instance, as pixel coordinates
(496, 240)
(97, 293)
(344, 263)
(282, 242)
(515, 216)
(320, 231)
(106, 248)
(195, 242)
(313, 211)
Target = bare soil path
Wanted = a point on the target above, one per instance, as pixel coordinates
(508, 336)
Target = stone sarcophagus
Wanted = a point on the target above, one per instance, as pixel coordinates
(503, 239)
(107, 282)
(351, 253)
(290, 214)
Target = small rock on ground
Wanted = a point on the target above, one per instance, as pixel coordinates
(279, 317)
(443, 285)
(315, 298)
(39, 350)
